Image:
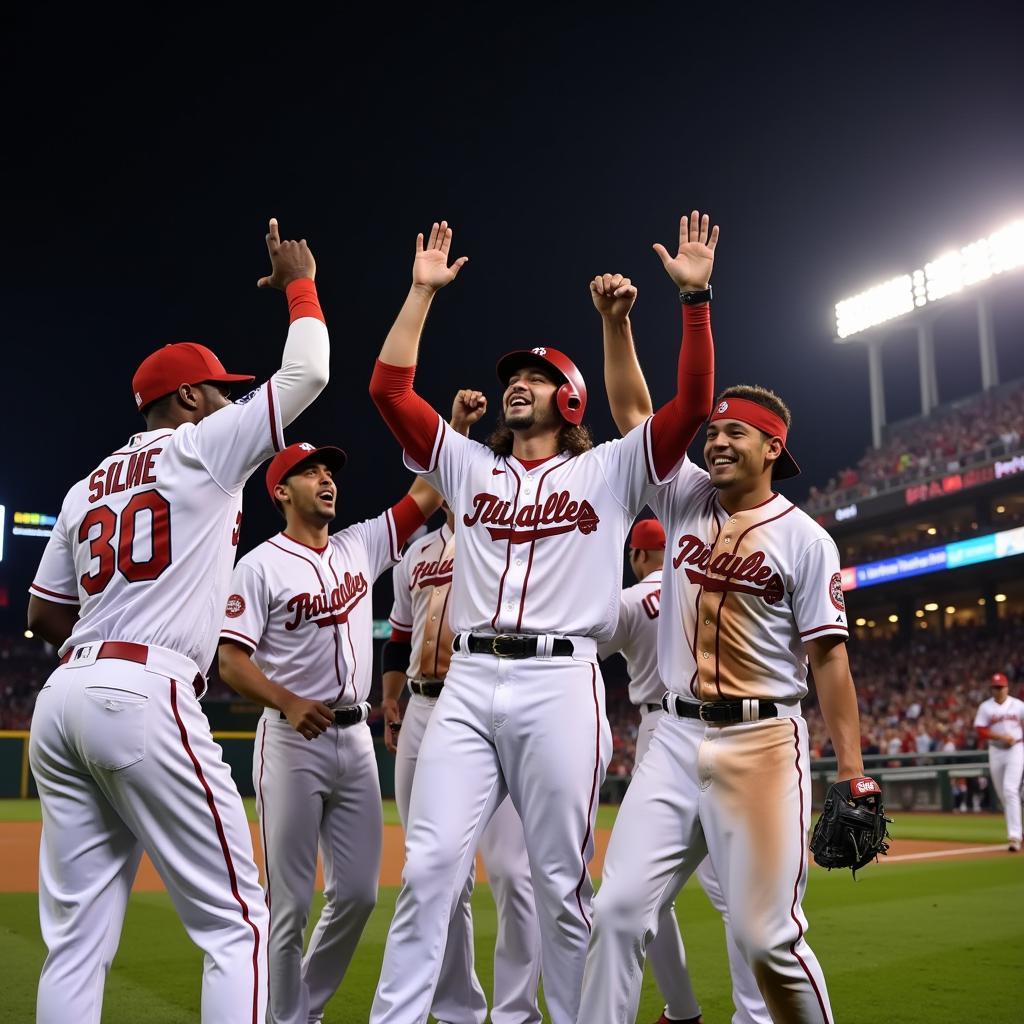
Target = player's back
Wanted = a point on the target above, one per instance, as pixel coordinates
(151, 535)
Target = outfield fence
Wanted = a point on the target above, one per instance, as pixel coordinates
(910, 782)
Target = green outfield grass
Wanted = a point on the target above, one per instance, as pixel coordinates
(937, 942)
(929, 942)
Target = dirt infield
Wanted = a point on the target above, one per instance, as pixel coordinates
(19, 849)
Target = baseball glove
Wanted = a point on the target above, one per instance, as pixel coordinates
(851, 830)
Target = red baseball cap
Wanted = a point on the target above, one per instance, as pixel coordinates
(1000, 680)
(286, 461)
(647, 535)
(187, 362)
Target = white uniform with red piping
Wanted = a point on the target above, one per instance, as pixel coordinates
(540, 551)
(636, 639)
(422, 587)
(740, 595)
(307, 616)
(120, 748)
(1006, 721)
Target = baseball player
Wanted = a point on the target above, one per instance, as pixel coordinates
(999, 721)
(542, 518)
(417, 657)
(298, 639)
(130, 587)
(751, 593)
(636, 638)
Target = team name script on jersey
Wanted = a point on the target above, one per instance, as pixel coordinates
(744, 575)
(432, 574)
(559, 514)
(124, 474)
(335, 606)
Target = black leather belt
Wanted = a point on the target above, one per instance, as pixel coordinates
(654, 707)
(432, 688)
(343, 717)
(513, 645)
(717, 712)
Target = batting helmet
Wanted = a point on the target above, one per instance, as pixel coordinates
(571, 397)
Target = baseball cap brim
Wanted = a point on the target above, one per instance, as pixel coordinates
(785, 466)
(281, 468)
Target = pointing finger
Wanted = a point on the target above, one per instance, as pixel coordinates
(273, 235)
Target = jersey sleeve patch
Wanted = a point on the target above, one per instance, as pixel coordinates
(235, 606)
(835, 592)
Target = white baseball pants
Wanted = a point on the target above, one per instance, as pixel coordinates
(315, 793)
(458, 997)
(666, 952)
(534, 729)
(125, 763)
(1007, 767)
(741, 795)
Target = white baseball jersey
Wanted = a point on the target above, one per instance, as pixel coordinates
(422, 583)
(636, 637)
(307, 613)
(1004, 720)
(145, 543)
(742, 593)
(540, 549)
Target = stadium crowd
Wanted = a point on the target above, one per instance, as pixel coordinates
(943, 442)
(916, 696)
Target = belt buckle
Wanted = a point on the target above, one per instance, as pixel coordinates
(700, 713)
(496, 641)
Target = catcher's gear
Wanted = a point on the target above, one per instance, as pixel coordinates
(851, 830)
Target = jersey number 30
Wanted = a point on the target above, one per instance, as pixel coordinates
(102, 546)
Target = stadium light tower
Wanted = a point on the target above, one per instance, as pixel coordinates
(916, 299)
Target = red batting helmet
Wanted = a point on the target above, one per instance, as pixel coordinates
(571, 397)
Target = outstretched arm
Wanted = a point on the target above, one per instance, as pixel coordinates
(410, 418)
(628, 397)
(676, 424)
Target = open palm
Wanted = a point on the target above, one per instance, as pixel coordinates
(430, 268)
(691, 267)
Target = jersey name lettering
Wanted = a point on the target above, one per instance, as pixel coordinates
(744, 575)
(116, 478)
(336, 607)
(432, 574)
(559, 514)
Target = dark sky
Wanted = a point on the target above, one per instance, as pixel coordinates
(142, 159)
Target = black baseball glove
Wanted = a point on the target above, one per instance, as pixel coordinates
(851, 830)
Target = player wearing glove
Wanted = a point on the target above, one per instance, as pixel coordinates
(851, 830)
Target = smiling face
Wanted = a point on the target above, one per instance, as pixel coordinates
(309, 493)
(738, 455)
(529, 400)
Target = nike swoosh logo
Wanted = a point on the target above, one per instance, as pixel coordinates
(497, 472)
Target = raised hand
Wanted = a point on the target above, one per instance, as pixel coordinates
(467, 409)
(430, 269)
(613, 295)
(288, 260)
(690, 268)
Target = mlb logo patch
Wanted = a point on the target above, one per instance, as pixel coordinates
(723, 407)
(539, 351)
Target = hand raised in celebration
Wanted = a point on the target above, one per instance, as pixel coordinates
(430, 269)
(288, 260)
(613, 295)
(690, 268)
(467, 409)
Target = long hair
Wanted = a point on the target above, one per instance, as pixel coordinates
(571, 438)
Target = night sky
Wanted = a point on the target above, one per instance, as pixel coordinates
(143, 159)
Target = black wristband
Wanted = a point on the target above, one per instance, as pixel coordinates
(693, 298)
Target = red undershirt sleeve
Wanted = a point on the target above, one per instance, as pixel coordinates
(408, 518)
(409, 417)
(303, 300)
(984, 733)
(400, 636)
(676, 423)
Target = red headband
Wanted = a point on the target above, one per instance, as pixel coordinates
(756, 415)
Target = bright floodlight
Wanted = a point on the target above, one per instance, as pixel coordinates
(946, 275)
